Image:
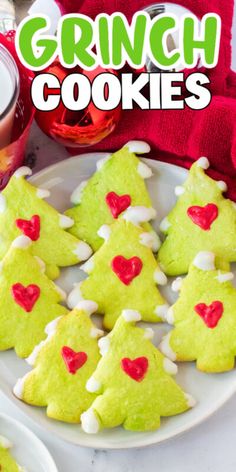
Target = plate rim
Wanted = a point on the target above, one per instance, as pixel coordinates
(89, 441)
(26, 431)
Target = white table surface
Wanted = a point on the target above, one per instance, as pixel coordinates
(211, 447)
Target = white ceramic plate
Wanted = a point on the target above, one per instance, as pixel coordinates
(210, 391)
(28, 451)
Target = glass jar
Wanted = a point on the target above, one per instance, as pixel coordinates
(9, 92)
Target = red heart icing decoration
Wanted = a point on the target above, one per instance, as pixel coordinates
(117, 203)
(30, 228)
(203, 216)
(73, 360)
(136, 369)
(210, 314)
(26, 297)
(126, 269)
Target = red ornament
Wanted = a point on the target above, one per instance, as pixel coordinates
(203, 216)
(26, 297)
(30, 228)
(117, 203)
(77, 128)
(135, 369)
(73, 360)
(126, 269)
(211, 314)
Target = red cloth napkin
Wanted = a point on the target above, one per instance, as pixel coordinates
(182, 136)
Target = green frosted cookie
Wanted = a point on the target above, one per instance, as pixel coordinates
(7, 463)
(133, 381)
(23, 211)
(117, 184)
(202, 220)
(28, 299)
(204, 317)
(62, 365)
(124, 272)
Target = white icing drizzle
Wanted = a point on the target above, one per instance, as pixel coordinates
(170, 316)
(93, 385)
(139, 214)
(5, 443)
(165, 225)
(103, 161)
(156, 241)
(3, 203)
(96, 333)
(104, 232)
(177, 284)
(203, 162)
(21, 242)
(43, 193)
(224, 277)
(61, 292)
(18, 389)
(138, 147)
(75, 296)
(169, 366)
(179, 190)
(205, 260)
(104, 344)
(191, 402)
(234, 205)
(22, 172)
(83, 251)
(89, 422)
(88, 266)
(52, 326)
(131, 315)
(166, 349)
(34, 354)
(88, 306)
(159, 277)
(50, 330)
(148, 333)
(76, 196)
(22, 469)
(151, 240)
(161, 311)
(144, 171)
(41, 264)
(65, 222)
(222, 185)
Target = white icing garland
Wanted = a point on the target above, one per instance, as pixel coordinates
(205, 260)
(139, 214)
(89, 422)
(76, 195)
(83, 251)
(166, 349)
(144, 171)
(131, 315)
(138, 147)
(203, 162)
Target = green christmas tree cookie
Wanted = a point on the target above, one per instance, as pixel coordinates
(124, 272)
(117, 184)
(7, 463)
(23, 211)
(28, 299)
(133, 381)
(62, 365)
(202, 220)
(204, 317)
